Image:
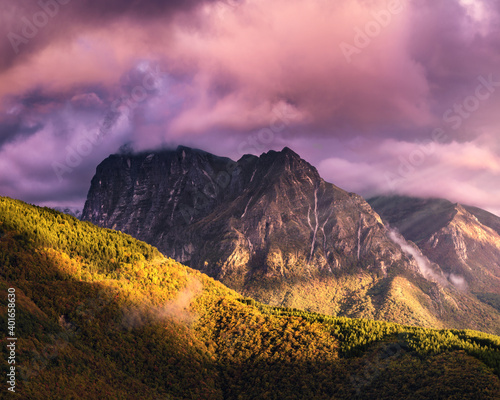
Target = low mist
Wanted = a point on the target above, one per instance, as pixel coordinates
(176, 309)
(424, 264)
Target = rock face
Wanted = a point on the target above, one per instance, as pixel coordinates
(156, 196)
(272, 228)
(270, 216)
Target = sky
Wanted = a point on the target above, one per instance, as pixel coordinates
(382, 97)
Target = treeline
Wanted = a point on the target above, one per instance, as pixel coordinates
(357, 335)
(102, 250)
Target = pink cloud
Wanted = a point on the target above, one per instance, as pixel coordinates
(226, 66)
(461, 172)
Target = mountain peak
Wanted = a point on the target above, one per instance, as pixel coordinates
(189, 150)
(287, 163)
(288, 151)
(181, 147)
(286, 154)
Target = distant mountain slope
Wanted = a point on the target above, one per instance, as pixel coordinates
(271, 228)
(100, 315)
(461, 240)
(485, 217)
(73, 211)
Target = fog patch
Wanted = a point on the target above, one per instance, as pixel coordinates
(458, 281)
(424, 265)
(177, 309)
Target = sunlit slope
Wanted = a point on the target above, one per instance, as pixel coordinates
(463, 242)
(103, 316)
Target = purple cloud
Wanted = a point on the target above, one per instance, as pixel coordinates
(248, 76)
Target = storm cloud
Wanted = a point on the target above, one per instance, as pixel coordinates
(381, 96)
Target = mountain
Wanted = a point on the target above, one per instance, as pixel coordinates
(73, 211)
(100, 315)
(271, 228)
(463, 241)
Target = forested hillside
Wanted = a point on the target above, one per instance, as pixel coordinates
(100, 315)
